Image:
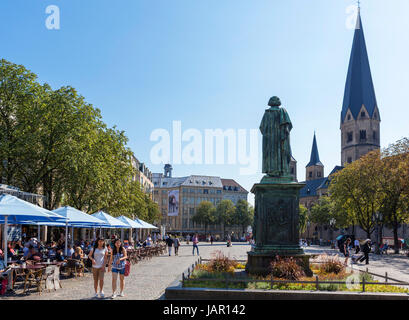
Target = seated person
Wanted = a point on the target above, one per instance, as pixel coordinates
(10, 252)
(18, 246)
(87, 247)
(33, 254)
(78, 254)
(384, 248)
(60, 257)
(70, 251)
(6, 272)
(52, 253)
(26, 249)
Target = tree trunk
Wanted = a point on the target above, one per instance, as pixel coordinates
(395, 237)
(368, 235)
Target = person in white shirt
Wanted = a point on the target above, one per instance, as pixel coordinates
(356, 245)
(99, 256)
(148, 241)
(70, 251)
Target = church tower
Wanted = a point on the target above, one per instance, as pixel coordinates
(314, 169)
(360, 119)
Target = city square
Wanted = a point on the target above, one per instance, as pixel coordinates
(164, 158)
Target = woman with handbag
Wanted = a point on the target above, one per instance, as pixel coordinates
(117, 266)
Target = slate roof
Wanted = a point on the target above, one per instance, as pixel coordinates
(193, 180)
(359, 89)
(203, 181)
(315, 158)
(310, 188)
(232, 185)
(325, 183)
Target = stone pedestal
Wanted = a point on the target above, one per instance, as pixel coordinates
(276, 230)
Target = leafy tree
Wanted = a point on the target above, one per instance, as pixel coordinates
(153, 213)
(225, 214)
(20, 96)
(303, 219)
(322, 212)
(205, 214)
(355, 190)
(53, 142)
(394, 186)
(243, 215)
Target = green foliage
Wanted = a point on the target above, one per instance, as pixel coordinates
(224, 213)
(377, 182)
(303, 219)
(53, 142)
(355, 190)
(321, 212)
(243, 215)
(205, 214)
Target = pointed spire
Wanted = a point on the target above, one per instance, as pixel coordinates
(315, 158)
(359, 89)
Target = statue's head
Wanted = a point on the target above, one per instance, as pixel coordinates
(274, 102)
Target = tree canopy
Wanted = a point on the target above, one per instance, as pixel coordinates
(54, 143)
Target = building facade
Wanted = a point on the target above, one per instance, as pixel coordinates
(360, 131)
(143, 176)
(179, 197)
(360, 118)
(233, 191)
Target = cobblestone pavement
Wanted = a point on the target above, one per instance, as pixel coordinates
(397, 266)
(147, 281)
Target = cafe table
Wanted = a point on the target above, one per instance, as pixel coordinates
(33, 273)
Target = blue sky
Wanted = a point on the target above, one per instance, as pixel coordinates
(214, 64)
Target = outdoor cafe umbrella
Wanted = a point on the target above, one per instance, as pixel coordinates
(79, 219)
(16, 211)
(131, 223)
(110, 220)
(145, 225)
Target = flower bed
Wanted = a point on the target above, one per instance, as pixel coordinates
(222, 272)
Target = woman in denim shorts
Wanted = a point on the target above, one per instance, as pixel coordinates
(117, 266)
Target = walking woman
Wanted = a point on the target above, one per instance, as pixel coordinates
(117, 266)
(346, 250)
(99, 257)
(195, 242)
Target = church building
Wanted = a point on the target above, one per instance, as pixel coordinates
(359, 123)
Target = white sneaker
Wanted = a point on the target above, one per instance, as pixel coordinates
(102, 294)
(114, 296)
(96, 295)
(121, 294)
